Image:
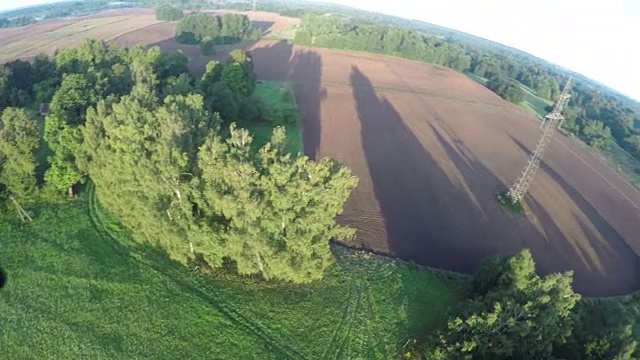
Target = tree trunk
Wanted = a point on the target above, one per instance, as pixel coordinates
(70, 191)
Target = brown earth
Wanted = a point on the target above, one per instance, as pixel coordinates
(431, 149)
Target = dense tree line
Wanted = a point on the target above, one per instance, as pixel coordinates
(508, 89)
(228, 90)
(592, 105)
(595, 114)
(512, 313)
(167, 12)
(227, 28)
(342, 32)
(16, 22)
(163, 159)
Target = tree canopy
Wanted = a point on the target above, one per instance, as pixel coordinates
(507, 89)
(166, 12)
(513, 313)
(19, 143)
(218, 29)
(136, 124)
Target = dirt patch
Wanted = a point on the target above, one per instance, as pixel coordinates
(433, 148)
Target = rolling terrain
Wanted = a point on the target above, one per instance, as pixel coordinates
(431, 149)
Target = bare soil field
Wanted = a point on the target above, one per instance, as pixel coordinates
(26, 42)
(431, 149)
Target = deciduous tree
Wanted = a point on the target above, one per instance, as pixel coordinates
(514, 314)
(19, 141)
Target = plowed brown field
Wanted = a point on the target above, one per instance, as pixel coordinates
(431, 149)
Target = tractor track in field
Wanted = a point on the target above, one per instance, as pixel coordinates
(341, 335)
(236, 316)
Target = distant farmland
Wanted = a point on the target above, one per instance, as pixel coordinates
(431, 148)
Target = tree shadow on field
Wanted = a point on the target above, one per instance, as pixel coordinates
(302, 70)
(263, 26)
(617, 266)
(429, 218)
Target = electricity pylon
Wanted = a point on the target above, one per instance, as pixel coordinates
(255, 5)
(551, 121)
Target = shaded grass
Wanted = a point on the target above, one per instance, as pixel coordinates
(79, 287)
(532, 104)
(277, 96)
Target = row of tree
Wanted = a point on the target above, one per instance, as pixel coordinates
(162, 157)
(228, 28)
(166, 12)
(594, 114)
(506, 88)
(512, 313)
(341, 32)
(16, 22)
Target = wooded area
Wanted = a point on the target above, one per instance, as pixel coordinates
(222, 29)
(512, 313)
(151, 140)
(165, 12)
(604, 116)
(167, 155)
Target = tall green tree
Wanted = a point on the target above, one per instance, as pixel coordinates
(166, 12)
(238, 73)
(277, 212)
(141, 156)
(19, 141)
(62, 133)
(515, 314)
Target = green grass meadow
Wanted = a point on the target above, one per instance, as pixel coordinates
(78, 287)
(532, 104)
(279, 96)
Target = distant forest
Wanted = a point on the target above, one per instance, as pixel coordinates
(596, 114)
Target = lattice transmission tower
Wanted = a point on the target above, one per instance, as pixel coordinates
(551, 121)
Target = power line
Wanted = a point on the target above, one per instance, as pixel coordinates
(588, 123)
(521, 186)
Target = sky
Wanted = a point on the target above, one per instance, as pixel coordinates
(597, 38)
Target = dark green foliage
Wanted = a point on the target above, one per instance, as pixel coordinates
(171, 65)
(207, 46)
(166, 12)
(507, 202)
(19, 142)
(508, 89)
(218, 97)
(228, 88)
(225, 29)
(267, 212)
(238, 73)
(17, 21)
(597, 335)
(341, 32)
(178, 85)
(513, 314)
(597, 135)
